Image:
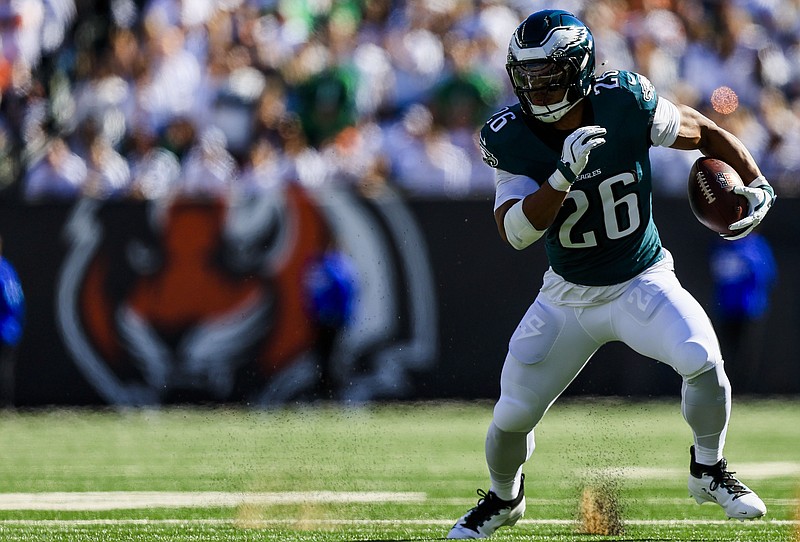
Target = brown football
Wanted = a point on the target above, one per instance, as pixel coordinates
(711, 182)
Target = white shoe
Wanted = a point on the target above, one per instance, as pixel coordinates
(716, 484)
(490, 514)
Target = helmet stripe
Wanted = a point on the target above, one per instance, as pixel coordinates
(560, 38)
(532, 53)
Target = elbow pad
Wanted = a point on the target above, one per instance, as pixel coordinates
(519, 230)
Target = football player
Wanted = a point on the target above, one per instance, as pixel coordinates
(573, 172)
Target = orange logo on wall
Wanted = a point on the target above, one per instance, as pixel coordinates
(204, 301)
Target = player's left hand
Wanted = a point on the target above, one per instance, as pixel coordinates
(760, 197)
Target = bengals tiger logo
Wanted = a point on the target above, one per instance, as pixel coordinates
(187, 301)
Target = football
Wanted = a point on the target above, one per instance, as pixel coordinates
(711, 182)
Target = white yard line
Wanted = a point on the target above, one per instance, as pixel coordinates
(748, 471)
(114, 500)
(263, 523)
(657, 501)
(117, 500)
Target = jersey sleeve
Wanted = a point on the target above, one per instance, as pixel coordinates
(488, 156)
(503, 140)
(508, 144)
(640, 98)
(666, 123)
(662, 116)
(497, 148)
(509, 186)
(643, 91)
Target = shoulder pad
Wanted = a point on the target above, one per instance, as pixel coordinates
(500, 132)
(622, 82)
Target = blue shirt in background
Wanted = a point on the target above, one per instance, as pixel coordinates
(12, 304)
(743, 272)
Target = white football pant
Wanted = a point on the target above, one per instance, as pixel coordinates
(655, 316)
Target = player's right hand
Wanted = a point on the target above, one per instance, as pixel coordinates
(579, 144)
(575, 155)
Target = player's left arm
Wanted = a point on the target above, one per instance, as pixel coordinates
(696, 131)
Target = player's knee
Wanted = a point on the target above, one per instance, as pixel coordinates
(515, 416)
(707, 388)
(693, 358)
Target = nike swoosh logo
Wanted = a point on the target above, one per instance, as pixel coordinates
(707, 492)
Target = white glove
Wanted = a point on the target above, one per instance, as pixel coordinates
(760, 197)
(575, 155)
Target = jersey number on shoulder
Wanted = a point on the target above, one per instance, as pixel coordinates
(613, 209)
(500, 119)
(609, 79)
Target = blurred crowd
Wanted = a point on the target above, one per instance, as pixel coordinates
(141, 99)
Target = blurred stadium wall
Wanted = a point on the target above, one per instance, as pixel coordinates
(134, 303)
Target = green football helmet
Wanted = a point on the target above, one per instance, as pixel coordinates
(551, 63)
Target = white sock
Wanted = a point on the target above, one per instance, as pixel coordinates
(505, 454)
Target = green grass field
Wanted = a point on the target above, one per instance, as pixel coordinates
(381, 473)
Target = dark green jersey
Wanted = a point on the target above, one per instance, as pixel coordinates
(604, 233)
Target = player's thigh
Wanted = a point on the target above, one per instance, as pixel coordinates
(547, 350)
(658, 318)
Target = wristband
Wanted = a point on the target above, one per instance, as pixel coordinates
(558, 181)
(761, 182)
(565, 170)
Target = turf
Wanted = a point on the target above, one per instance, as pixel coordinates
(430, 454)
